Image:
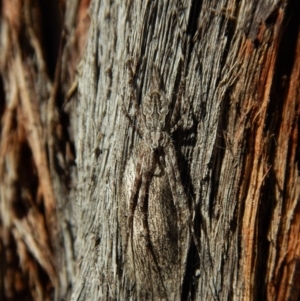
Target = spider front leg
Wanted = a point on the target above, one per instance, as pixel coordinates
(181, 111)
(175, 121)
(133, 98)
(131, 76)
(177, 189)
(133, 200)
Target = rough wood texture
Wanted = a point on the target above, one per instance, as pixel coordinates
(237, 153)
(231, 58)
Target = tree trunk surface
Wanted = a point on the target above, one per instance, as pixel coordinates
(164, 165)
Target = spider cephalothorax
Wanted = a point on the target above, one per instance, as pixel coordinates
(155, 110)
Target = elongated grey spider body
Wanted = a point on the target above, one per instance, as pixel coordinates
(155, 123)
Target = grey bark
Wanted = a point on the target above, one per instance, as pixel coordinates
(226, 54)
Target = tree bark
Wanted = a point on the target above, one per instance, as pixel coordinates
(233, 68)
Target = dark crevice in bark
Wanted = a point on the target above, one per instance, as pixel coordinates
(192, 28)
(284, 65)
(51, 19)
(193, 21)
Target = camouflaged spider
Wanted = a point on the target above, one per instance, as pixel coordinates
(155, 124)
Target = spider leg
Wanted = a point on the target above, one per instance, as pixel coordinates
(133, 201)
(143, 197)
(175, 114)
(155, 78)
(131, 76)
(132, 95)
(131, 119)
(174, 176)
(127, 115)
(147, 175)
(177, 189)
(180, 121)
(176, 126)
(180, 116)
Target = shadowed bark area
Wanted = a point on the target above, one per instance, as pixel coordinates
(90, 209)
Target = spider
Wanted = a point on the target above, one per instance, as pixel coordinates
(155, 124)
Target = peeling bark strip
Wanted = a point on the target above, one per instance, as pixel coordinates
(34, 254)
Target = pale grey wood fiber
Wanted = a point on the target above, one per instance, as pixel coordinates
(200, 41)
